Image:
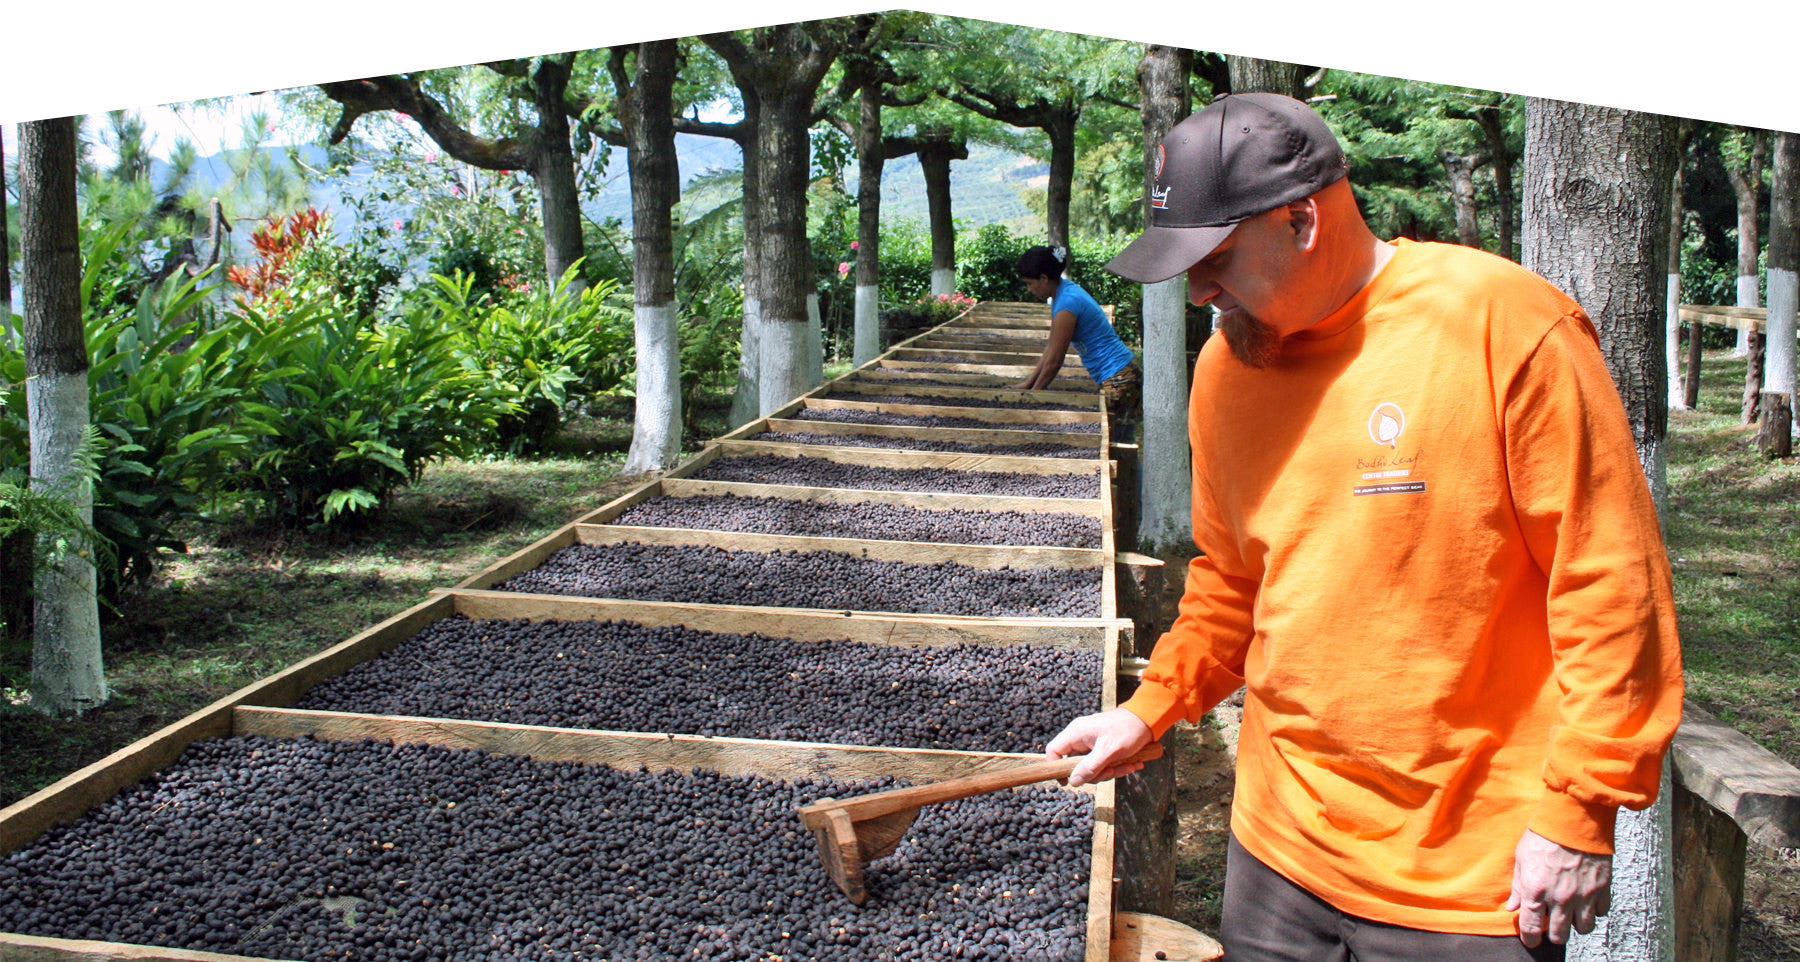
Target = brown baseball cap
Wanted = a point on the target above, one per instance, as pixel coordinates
(1242, 155)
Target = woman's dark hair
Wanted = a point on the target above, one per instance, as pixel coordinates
(1044, 262)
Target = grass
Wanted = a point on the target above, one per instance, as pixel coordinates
(1733, 532)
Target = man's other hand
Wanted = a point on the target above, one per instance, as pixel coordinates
(1555, 888)
(1105, 739)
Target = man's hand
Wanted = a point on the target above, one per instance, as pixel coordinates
(1104, 738)
(1556, 887)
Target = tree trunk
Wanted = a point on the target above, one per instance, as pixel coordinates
(1672, 307)
(1493, 125)
(554, 172)
(1061, 131)
(1746, 184)
(1164, 519)
(1461, 168)
(745, 401)
(935, 156)
(646, 113)
(869, 162)
(1597, 184)
(783, 157)
(67, 675)
(1249, 74)
(1784, 262)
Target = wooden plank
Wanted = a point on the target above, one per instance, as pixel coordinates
(1100, 876)
(797, 624)
(31, 948)
(942, 367)
(882, 373)
(994, 415)
(754, 611)
(632, 750)
(963, 435)
(844, 388)
(1138, 937)
(889, 458)
(913, 552)
(522, 560)
(1709, 879)
(928, 500)
(1740, 778)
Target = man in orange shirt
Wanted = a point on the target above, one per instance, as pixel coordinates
(1429, 556)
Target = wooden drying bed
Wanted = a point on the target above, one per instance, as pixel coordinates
(264, 707)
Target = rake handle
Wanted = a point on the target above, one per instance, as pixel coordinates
(865, 807)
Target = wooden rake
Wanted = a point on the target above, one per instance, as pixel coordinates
(855, 831)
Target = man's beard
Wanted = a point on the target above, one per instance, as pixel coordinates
(1252, 341)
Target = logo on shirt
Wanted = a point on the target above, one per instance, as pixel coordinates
(1386, 423)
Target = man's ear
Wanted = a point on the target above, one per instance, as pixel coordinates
(1303, 217)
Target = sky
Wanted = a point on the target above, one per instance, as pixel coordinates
(90, 57)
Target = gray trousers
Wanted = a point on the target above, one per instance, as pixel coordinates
(1270, 919)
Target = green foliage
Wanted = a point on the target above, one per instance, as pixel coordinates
(543, 349)
(905, 261)
(361, 408)
(987, 264)
(166, 395)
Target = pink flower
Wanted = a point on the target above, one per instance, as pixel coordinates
(944, 297)
(853, 245)
(456, 189)
(431, 156)
(398, 225)
(843, 268)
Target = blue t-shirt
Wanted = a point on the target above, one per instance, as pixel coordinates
(1102, 353)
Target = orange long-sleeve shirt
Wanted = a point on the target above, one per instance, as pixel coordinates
(1431, 555)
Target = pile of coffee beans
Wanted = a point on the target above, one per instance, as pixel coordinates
(866, 520)
(619, 676)
(823, 473)
(1036, 449)
(1071, 365)
(303, 849)
(862, 416)
(810, 579)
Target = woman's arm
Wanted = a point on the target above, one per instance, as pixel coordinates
(1062, 331)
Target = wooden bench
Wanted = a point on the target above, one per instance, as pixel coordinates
(1729, 791)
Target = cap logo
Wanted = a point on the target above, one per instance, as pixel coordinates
(1159, 199)
(1161, 156)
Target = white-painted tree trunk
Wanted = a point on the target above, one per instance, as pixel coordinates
(1638, 928)
(656, 429)
(1672, 339)
(1165, 518)
(868, 324)
(943, 280)
(815, 344)
(1784, 304)
(746, 403)
(67, 673)
(783, 368)
(1748, 295)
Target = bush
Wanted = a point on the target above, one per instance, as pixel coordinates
(361, 408)
(905, 262)
(167, 395)
(543, 349)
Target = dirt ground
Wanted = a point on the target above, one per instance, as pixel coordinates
(1769, 930)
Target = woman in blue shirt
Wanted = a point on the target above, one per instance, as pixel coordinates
(1075, 318)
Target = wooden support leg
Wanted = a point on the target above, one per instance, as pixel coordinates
(1140, 581)
(1709, 879)
(1125, 497)
(1144, 840)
